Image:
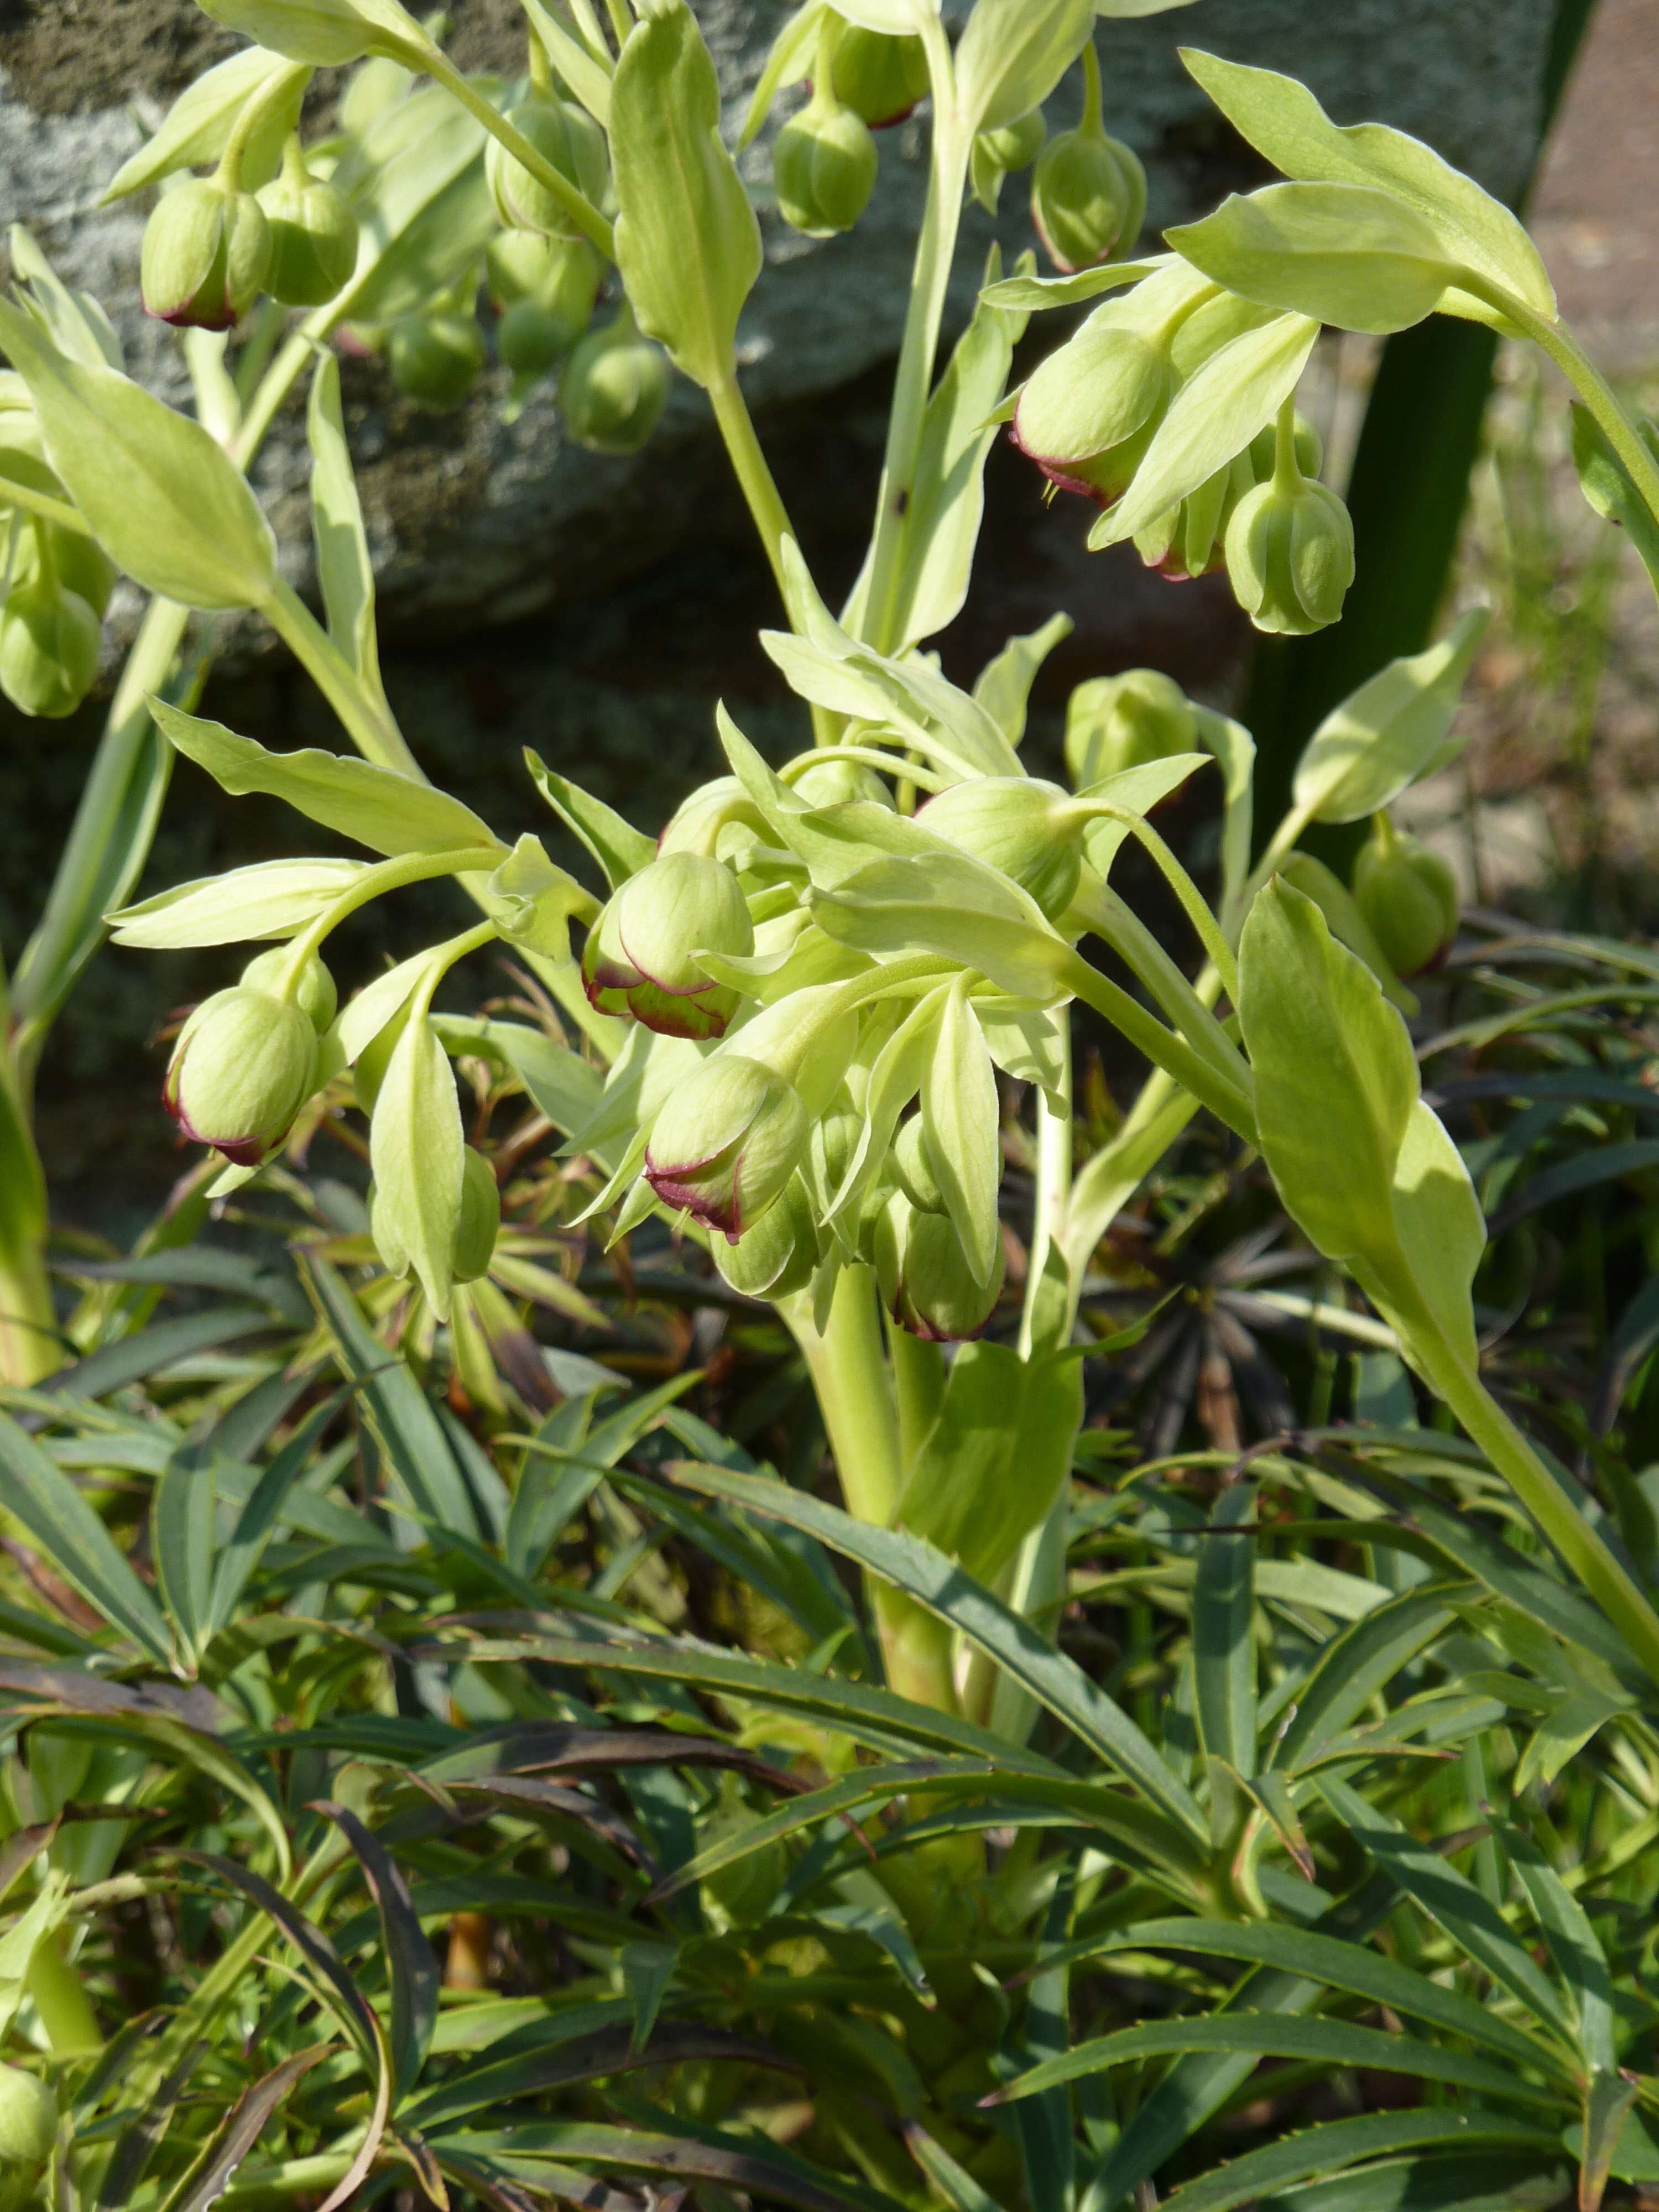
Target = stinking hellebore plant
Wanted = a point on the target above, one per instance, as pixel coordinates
(803, 997)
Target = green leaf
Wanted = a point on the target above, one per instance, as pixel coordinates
(948, 904)
(208, 2178)
(1236, 392)
(195, 128)
(1343, 254)
(416, 1150)
(941, 521)
(1336, 1079)
(588, 78)
(269, 899)
(343, 567)
(1579, 1958)
(620, 849)
(1607, 486)
(1223, 1640)
(1012, 54)
(1282, 119)
(411, 1967)
(1354, 1668)
(1328, 2043)
(688, 244)
(263, 1513)
(1336, 2145)
(75, 1541)
(1003, 686)
(1473, 1923)
(1388, 733)
(1441, 1229)
(418, 185)
(563, 1085)
(388, 812)
(1035, 293)
(1607, 2101)
(162, 499)
(925, 1574)
(963, 1118)
(181, 1545)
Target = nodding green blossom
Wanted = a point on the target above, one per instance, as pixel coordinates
(1408, 894)
(49, 646)
(28, 2131)
(614, 388)
(640, 956)
(245, 1063)
(206, 251)
(1290, 555)
(823, 167)
(781, 1254)
(1030, 829)
(880, 77)
(1088, 413)
(926, 1280)
(314, 234)
(570, 141)
(725, 1144)
(1114, 722)
(1088, 189)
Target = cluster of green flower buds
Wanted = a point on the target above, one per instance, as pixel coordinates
(206, 254)
(545, 288)
(927, 1281)
(1088, 189)
(824, 161)
(247, 1059)
(1408, 895)
(55, 583)
(28, 2134)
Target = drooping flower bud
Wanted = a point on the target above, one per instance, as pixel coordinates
(614, 388)
(314, 994)
(479, 1220)
(28, 2131)
(823, 167)
(880, 77)
(79, 563)
(1088, 198)
(640, 960)
(913, 1165)
(49, 642)
(929, 1287)
(1088, 413)
(1408, 894)
(1290, 555)
(435, 359)
(244, 1065)
(568, 140)
(725, 1144)
(314, 234)
(718, 816)
(1014, 146)
(1031, 830)
(839, 783)
(206, 250)
(779, 1254)
(1114, 722)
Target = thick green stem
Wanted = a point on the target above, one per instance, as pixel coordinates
(31, 1344)
(1583, 1550)
(930, 279)
(1050, 1203)
(856, 1398)
(1592, 388)
(370, 728)
(1227, 1098)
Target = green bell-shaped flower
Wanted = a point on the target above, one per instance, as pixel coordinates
(1031, 830)
(28, 2131)
(840, 783)
(244, 1065)
(1114, 722)
(641, 958)
(1290, 555)
(781, 1254)
(880, 77)
(314, 993)
(314, 234)
(912, 1166)
(1088, 198)
(78, 562)
(1014, 146)
(927, 1281)
(206, 251)
(718, 819)
(1409, 896)
(614, 388)
(568, 140)
(1088, 413)
(823, 167)
(725, 1145)
(49, 644)
(435, 359)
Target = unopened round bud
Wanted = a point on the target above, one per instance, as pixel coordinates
(913, 1165)
(314, 235)
(560, 277)
(1088, 197)
(1014, 146)
(530, 340)
(1290, 556)
(49, 642)
(28, 2132)
(839, 783)
(435, 359)
(925, 1278)
(823, 167)
(79, 563)
(479, 1219)
(570, 141)
(1028, 828)
(725, 1145)
(779, 1254)
(641, 958)
(614, 388)
(1114, 722)
(242, 1068)
(1088, 413)
(1409, 896)
(880, 77)
(1185, 542)
(315, 995)
(205, 254)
